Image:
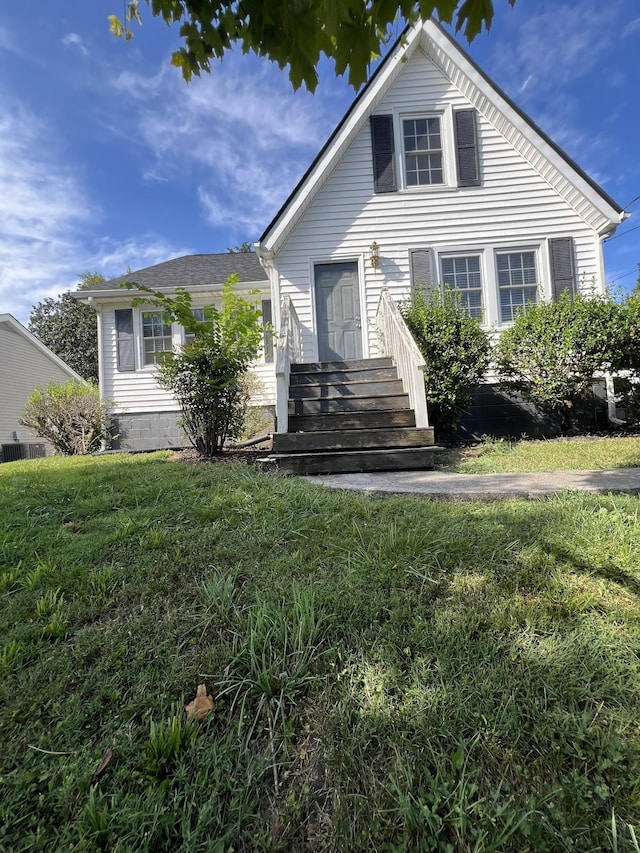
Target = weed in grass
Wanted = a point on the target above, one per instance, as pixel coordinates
(10, 579)
(274, 667)
(101, 584)
(42, 570)
(56, 628)
(9, 656)
(95, 820)
(152, 539)
(49, 602)
(167, 739)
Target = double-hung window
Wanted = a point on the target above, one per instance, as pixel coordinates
(461, 273)
(156, 336)
(422, 142)
(517, 282)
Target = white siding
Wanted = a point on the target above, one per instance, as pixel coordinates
(137, 390)
(514, 207)
(23, 367)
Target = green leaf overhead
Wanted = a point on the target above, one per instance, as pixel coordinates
(296, 34)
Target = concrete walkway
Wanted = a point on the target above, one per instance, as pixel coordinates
(439, 484)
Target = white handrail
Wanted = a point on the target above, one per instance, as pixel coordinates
(399, 344)
(289, 351)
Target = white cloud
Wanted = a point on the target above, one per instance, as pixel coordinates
(74, 40)
(558, 44)
(632, 27)
(46, 216)
(243, 130)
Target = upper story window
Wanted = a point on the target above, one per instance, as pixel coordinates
(156, 336)
(422, 141)
(425, 150)
(462, 275)
(518, 282)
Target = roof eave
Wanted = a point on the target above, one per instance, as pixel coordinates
(346, 128)
(134, 293)
(610, 214)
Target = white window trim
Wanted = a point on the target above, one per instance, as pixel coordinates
(467, 254)
(542, 287)
(176, 336)
(444, 112)
(491, 319)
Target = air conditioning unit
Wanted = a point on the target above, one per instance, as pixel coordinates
(35, 451)
(14, 452)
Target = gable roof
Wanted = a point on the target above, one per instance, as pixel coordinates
(9, 322)
(189, 271)
(589, 199)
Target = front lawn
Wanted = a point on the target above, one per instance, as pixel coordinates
(558, 454)
(387, 673)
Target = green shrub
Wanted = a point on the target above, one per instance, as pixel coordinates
(208, 376)
(627, 359)
(455, 349)
(553, 351)
(72, 417)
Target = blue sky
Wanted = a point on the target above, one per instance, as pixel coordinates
(109, 161)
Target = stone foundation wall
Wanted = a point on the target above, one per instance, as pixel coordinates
(148, 431)
(159, 430)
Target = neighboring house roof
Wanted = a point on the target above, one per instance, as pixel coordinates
(8, 322)
(189, 271)
(570, 181)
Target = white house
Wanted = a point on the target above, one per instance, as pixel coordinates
(433, 175)
(25, 364)
(131, 336)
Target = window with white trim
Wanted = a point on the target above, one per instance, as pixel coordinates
(462, 274)
(422, 148)
(156, 336)
(518, 282)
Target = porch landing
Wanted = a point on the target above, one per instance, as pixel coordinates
(350, 417)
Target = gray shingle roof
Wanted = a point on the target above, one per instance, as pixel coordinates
(193, 270)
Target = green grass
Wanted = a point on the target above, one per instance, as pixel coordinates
(387, 673)
(560, 454)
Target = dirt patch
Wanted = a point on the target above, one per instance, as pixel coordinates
(244, 457)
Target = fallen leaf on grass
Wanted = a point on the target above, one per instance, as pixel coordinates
(201, 705)
(106, 758)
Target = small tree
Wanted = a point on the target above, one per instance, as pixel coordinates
(455, 348)
(72, 417)
(207, 376)
(69, 329)
(553, 350)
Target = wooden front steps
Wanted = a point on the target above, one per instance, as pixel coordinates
(347, 417)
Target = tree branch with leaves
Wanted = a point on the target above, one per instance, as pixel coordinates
(298, 33)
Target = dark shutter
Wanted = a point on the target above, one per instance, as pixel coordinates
(422, 277)
(384, 167)
(125, 339)
(563, 269)
(467, 148)
(267, 334)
